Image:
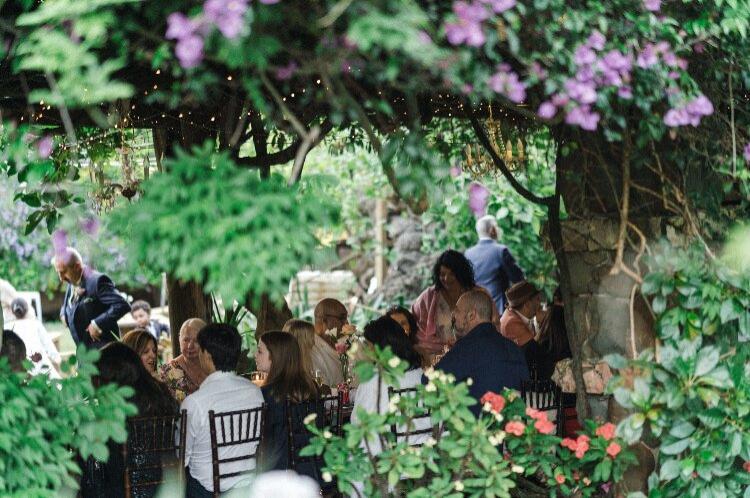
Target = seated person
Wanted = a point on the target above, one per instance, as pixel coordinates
(481, 353)
(120, 365)
(184, 374)
(385, 331)
(407, 321)
(330, 314)
(317, 355)
(39, 347)
(14, 350)
(143, 343)
(141, 312)
(279, 355)
(552, 340)
(516, 323)
(223, 391)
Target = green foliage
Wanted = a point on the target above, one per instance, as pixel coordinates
(519, 219)
(68, 53)
(692, 400)
(414, 169)
(465, 456)
(206, 219)
(45, 424)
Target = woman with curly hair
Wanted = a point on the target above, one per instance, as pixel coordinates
(452, 275)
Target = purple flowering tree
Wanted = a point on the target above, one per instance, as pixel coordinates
(643, 103)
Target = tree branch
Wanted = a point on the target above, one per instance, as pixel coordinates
(500, 164)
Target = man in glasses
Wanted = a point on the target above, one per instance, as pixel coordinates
(330, 315)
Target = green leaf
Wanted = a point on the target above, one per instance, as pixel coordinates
(669, 470)
(682, 429)
(707, 359)
(675, 447)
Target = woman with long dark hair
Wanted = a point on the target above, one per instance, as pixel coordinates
(119, 364)
(452, 275)
(386, 332)
(552, 345)
(279, 355)
(406, 319)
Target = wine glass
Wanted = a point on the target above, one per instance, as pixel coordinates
(318, 377)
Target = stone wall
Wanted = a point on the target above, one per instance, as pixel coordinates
(603, 303)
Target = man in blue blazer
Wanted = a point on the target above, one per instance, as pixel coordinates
(92, 305)
(495, 269)
(481, 353)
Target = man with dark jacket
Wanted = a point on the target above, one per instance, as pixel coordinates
(495, 269)
(92, 305)
(481, 353)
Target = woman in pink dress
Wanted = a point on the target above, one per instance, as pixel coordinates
(452, 275)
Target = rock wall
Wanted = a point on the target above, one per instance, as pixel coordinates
(612, 317)
(409, 270)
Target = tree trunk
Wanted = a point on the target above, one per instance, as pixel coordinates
(270, 315)
(186, 300)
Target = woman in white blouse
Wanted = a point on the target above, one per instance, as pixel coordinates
(39, 347)
(385, 331)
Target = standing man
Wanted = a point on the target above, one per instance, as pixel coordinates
(495, 269)
(92, 305)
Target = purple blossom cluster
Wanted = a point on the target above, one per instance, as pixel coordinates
(467, 28)
(652, 53)
(479, 197)
(506, 82)
(746, 153)
(689, 113)
(595, 69)
(44, 146)
(228, 16)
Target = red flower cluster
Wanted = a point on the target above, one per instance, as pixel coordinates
(542, 424)
(495, 400)
(746, 466)
(579, 446)
(613, 449)
(516, 428)
(607, 431)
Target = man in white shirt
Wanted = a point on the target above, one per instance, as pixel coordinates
(222, 391)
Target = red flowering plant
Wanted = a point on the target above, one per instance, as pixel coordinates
(509, 449)
(583, 465)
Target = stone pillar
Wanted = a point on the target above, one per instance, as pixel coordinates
(607, 311)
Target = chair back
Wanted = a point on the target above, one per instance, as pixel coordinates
(421, 417)
(543, 395)
(155, 447)
(234, 429)
(329, 414)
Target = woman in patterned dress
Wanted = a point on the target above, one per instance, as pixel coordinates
(183, 375)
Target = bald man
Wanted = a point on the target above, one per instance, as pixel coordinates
(330, 314)
(481, 353)
(92, 305)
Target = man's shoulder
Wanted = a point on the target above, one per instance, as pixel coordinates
(214, 394)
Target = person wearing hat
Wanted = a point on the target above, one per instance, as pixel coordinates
(523, 303)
